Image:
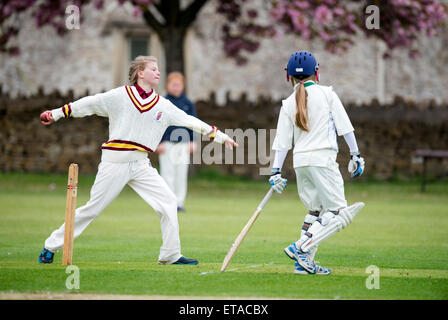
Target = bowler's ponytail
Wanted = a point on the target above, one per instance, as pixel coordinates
(301, 118)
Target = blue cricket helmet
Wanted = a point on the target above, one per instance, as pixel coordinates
(302, 63)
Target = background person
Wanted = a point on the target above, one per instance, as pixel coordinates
(177, 143)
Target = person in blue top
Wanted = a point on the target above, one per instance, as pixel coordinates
(177, 143)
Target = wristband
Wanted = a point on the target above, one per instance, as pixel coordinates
(67, 110)
(212, 133)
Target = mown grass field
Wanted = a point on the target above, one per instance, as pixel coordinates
(401, 231)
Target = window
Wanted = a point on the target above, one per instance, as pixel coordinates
(138, 46)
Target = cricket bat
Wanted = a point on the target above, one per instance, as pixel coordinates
(236, 244)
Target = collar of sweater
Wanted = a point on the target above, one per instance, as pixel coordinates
(306, 84)
(142, 92)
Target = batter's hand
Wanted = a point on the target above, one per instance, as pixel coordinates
(356, 165)
(46, 118)
(230, 143)
(277, 182)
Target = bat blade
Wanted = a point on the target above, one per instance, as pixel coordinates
(236, 244)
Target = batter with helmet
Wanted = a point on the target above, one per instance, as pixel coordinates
(309, 122)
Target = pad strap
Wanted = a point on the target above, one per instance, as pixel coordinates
(314, 213)
(306, 226)
(311, 217)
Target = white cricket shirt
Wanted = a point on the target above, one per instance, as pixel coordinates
(136, 125)
(327, 118)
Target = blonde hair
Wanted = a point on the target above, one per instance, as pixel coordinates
(301, 118)
(175, 75)
(137, 65)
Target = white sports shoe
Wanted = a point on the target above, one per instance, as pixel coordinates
(298, 269)
(302, 258)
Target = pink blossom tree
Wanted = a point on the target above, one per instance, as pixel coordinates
(334, 22)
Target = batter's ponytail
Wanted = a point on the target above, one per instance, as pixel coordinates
(301, 118)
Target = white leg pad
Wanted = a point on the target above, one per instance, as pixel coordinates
(328, 225)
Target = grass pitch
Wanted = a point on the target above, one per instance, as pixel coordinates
(401, 231)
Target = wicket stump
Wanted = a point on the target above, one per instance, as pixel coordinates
(72, 189)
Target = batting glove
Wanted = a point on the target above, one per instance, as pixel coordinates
(356, 165)
(277, 182)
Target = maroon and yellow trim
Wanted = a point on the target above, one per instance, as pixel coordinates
(142, 107)
(67, 110)
(212, 134)
(124, 145)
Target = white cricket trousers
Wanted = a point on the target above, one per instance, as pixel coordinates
(321, 188)
(111, 178)
(174, 164)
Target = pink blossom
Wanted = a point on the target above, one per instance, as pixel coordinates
(293, 13)
(137, 12)
(324, 35)
(339, 11)
(306, 34)
(323, 15)
(302, 4)
(99, 4)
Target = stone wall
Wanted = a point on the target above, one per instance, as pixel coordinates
(28, 146)
(387, 135)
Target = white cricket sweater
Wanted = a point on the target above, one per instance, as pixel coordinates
(136, 125)
(326, 118)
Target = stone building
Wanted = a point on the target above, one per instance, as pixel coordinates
(96, 57)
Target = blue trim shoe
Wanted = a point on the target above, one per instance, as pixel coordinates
(185, 261)
(180, 209)
(302, 258)
(46, 256)
(305, 262)
(291, 251)
(298, 269)
(322, 270)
